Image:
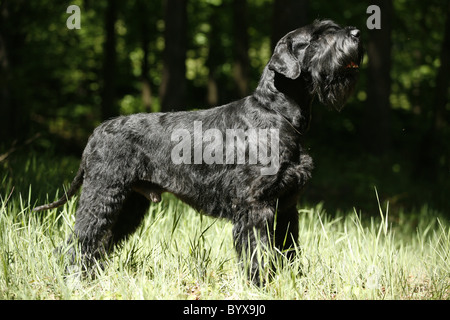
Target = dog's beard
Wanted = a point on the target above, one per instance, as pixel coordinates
(334, 85)
(334, 72)
(335, 91)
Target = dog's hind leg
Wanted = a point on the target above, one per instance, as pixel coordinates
(99, 209)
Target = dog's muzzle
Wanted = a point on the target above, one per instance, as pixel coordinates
(354, 33)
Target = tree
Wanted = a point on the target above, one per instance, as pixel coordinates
(241, 61)
(14, 119)
(215, 54)
(5, 76)
(376, 130)
(287, 16)
(431, 144)
(144, 28)
(109, 104)
(173, 86)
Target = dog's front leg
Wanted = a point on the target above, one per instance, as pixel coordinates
(252, 233)
(286, 232)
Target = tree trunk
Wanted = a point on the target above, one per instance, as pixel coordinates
(14, 117)
(109, 104)
(214, 57)
(376, 129)
(431, 144)
(5, 78)
(287, 16)
(443, 77)
(145, 80)
(241, 60)
(173, 86)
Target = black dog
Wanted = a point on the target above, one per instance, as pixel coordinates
(218, 160)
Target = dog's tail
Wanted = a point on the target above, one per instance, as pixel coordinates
(76, 184)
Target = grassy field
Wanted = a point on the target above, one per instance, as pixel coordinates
(178, 254)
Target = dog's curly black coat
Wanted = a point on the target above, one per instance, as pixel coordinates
(126, 163)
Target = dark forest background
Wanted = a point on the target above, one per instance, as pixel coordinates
(57, 85)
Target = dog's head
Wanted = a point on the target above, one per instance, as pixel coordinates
(326, 55)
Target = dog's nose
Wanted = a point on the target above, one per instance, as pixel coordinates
(355, 33)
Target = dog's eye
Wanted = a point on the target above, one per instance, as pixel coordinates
(300, 46)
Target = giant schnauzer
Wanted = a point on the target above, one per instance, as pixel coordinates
(242, 161)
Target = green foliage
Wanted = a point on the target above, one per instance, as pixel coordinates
(416, 45)
(58, 68)
(72, 58)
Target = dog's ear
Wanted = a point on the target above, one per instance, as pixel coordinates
(283, 59)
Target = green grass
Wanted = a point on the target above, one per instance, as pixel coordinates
(179, 254)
